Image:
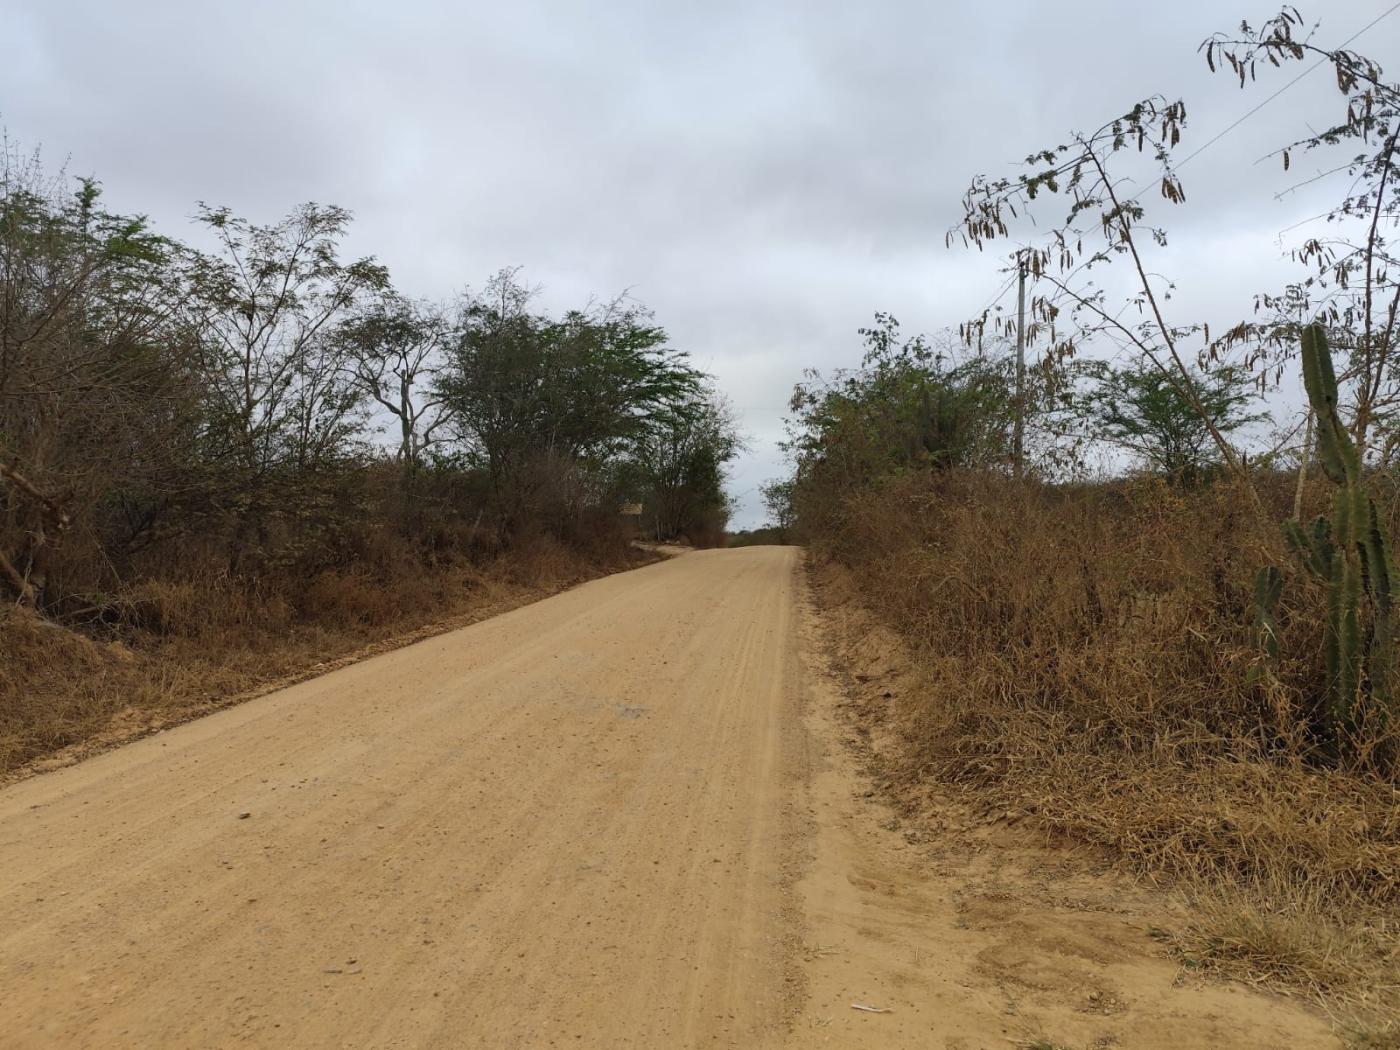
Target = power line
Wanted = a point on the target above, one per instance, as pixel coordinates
(998, 297)
(1303, 222)
(1320, 62)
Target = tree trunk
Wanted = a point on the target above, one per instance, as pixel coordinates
(46, 536)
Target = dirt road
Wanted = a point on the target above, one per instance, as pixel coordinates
(604, 820)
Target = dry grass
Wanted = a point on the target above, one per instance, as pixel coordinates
(169, 649)
(1083, 663)
(1294, 936)
(1365, 1037)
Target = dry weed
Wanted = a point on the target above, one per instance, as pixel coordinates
(1082, 660)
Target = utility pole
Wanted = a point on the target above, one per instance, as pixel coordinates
(1019, 434)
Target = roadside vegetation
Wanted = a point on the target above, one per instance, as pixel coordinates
(224, 464)
(1149, 586)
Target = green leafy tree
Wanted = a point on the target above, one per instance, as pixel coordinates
(778, 497)
(911, 406)
(396, 349)
(908, 406)
(282, 408)
(95, 392)
(1144, 411)
(678, 463)
(542, 403)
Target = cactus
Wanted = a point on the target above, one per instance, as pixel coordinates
(1379, 573)
(1349, 553)
(1313, 547)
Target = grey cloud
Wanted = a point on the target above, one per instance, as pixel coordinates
(764, 175)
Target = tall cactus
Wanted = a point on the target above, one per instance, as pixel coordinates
(1350, 554)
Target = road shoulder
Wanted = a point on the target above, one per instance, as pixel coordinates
(928, 925)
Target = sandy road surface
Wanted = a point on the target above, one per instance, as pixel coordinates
(626, 816)
(565, 826)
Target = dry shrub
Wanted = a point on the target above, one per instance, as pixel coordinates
(1085, 660)
(48, 676)
(349, 600)
(199, 607)
(1292, 934)
(551, 556)
(1364, 1036)
(706, 532)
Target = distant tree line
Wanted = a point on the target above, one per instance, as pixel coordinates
(917, 403)
(254, 409)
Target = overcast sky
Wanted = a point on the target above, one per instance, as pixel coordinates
(764, 175)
